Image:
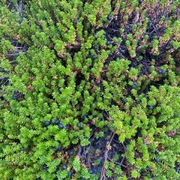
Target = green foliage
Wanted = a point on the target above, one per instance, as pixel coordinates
(71, 78)
(76, 164)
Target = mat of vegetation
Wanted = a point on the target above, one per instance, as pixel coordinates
(89, 89)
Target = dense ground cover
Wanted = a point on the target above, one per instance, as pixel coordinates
(89, 89)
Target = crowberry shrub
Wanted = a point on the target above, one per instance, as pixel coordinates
(89, 89)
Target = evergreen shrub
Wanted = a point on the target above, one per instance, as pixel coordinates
(89, 89)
